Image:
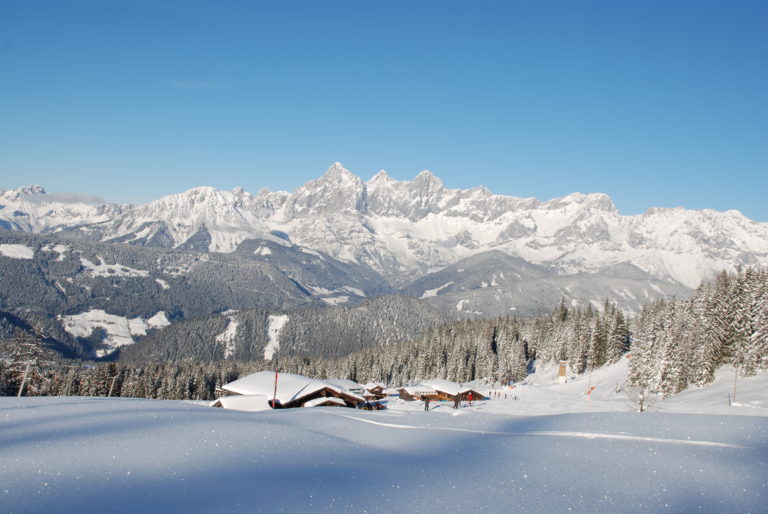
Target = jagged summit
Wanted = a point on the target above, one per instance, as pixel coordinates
(600, 201)
(336, 170)
(425, 175)
(381, 176)
(21, 192)
(426, 179)
(405, 229)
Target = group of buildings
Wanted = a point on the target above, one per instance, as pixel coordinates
(267, 390)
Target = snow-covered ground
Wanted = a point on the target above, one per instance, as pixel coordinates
(691, 453)
(103, 269)
(276, 323)
(119, 329)
(16, 251)
(227, 338)
(541, 394)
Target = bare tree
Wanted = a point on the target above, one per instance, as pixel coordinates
(641, 397)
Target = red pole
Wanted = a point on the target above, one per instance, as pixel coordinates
(274, 396)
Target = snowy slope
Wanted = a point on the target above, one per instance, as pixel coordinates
(119, 330)
(541, 393)
(121, 455)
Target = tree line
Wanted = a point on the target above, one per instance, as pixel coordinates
(672, 344)
(683, 341)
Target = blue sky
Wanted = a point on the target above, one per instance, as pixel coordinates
(654, 103)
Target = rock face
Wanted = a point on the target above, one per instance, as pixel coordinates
(405, 231)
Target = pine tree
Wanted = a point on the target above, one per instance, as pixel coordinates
(617, 337)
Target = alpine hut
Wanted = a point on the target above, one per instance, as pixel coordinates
(440, 389)
(287, 391)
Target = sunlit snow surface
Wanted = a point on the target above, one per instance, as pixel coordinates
(119, 329)
(16, 251)
(111, 270)
(123, 455)
(276, 323)
(227, 338)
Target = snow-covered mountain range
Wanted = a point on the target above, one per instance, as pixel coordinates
(408, 231)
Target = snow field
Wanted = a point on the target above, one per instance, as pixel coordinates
(227, 338)
(540, 394)
(61, 250)
(336, 300)
(124, 455)
(111, 270)
(120, 330)
(429, 293)
(15, 251)
(276, 323)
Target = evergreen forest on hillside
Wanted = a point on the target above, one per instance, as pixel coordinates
(673, 344)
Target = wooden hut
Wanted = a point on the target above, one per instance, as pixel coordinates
(440, 389)
(417, 392)
(375, 390)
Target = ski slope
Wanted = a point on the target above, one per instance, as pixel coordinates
(67, 454)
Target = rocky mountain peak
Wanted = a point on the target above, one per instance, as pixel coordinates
(382, 177)
(337, 171)
(597, 201)
(404, 228)
(425, 179)
(21, 192)
(337, 190)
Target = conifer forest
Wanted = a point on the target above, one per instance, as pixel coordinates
(672, 344)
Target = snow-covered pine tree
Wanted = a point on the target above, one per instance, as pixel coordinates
(596, 354)
(617, 335)
(578, 350)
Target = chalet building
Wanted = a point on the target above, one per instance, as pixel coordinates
(417, 392)
(440, 389)
(257, 392)
(375, 390)
(448, 390)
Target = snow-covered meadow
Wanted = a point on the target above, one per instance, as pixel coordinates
(692, 452)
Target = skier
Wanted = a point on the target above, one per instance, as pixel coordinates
(456, 402)
(469, 397)
(426, 403)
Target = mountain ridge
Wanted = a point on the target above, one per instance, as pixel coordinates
(405, 230)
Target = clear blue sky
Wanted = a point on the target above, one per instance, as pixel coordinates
(656, 103)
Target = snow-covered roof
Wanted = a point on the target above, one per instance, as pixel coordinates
(346, 385)
(325, 401)
(245, 402)
(290, 387)
(442, 385)
(373, 385)
(445, 386)
(419, 389)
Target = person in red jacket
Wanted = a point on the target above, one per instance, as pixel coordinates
(469, 397)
